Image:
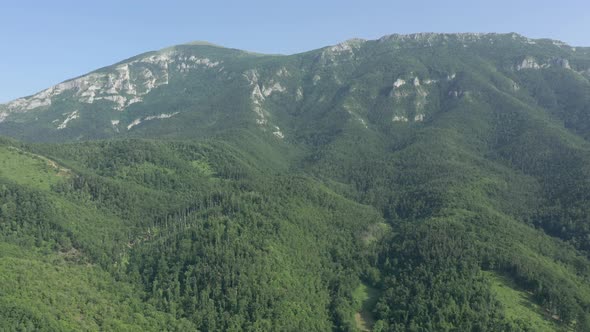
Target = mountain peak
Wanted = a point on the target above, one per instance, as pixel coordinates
(202, 43)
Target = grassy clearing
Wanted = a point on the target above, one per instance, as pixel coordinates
(28, 169)
(519, 305)
(365, 297)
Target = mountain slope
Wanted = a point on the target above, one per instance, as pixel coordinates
(238, 191)
(196, 90)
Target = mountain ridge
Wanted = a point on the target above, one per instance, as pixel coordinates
(127, 84)
(418, 35)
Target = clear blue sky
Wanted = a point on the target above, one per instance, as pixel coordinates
(45, 42)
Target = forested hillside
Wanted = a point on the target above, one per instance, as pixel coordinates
(414, 183)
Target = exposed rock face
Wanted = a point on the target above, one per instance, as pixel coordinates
(344, 50)
(123, 86)
(456, 93)
(261, 91)
(70, 117)
(134, 123)
(299, 94)
(410, 96)
(399, 83)
(256, 96)
(559, 43)
(275, 87)
(561, 63)
(346, 47)
(3, 115)
(529, 62)
(278, 133)
(514, 86)
(341, 48)
(431, 39)
(316, 79)
(283, 72)
(161, 116)
(186, 63)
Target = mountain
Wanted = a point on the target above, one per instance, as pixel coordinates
(198, 89)
(415, 182)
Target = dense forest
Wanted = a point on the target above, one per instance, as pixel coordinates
(202, 236)
(472, 217)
